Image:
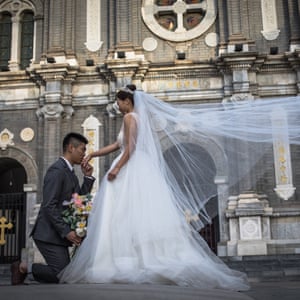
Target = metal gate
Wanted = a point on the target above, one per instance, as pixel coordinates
(210, 234)
(13, 208)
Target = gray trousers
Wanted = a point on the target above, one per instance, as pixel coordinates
(56, 257)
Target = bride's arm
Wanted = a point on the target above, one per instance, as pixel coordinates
(130, 134)
(103, 151)
(106, 150)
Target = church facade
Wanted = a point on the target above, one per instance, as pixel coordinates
(62, 61)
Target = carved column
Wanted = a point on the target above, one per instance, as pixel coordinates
(14, 57)
(54, 106)
(239, 65)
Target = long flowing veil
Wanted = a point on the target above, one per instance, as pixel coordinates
(243, 133)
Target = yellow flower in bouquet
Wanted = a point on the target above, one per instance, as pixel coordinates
(77, 212)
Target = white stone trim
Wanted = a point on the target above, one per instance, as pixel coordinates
(91, 127)
(93, 25)
(282, 156)
(269, 17)
(6, 139)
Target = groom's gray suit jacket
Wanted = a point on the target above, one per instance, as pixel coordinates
(59, 185)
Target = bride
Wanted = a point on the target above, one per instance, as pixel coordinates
(137, 232)
(144, 224)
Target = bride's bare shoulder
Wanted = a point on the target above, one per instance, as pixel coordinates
(129, 117)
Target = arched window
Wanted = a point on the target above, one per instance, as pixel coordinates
(17, 40)
(27, 31)
(5, 40)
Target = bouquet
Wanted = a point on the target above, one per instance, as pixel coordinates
(77, 212)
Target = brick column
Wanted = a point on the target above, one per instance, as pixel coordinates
(56, 26)
(294, 20)
(223, 19)
(123, 21)
(235, 28)
(234, 17)
(56, 104)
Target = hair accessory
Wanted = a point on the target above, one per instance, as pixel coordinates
(126, 89)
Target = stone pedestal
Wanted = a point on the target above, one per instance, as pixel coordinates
(249, 224)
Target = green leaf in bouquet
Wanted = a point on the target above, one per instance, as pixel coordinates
(66, 213)
(89, 197)
(66, 220)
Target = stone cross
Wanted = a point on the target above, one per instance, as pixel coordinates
(4, 225)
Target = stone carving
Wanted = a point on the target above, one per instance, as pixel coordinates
(250, 228)
(282, 157)
(27, 134)
(93, 26)
(91, 132)
(149, 44)
(212, 39)
(50, 111)
(270, 28)
(249, 224)
(6, 139)
(238, 98)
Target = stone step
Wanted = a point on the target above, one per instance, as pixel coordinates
(267, 268)
(4, 274)
(4, 269)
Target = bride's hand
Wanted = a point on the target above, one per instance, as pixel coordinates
(113, 173)
(86, 160)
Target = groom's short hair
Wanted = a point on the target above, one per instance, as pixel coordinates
(75, 139)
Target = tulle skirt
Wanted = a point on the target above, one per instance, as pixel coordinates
(136, 234)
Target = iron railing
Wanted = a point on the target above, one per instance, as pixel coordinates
(13, 208)
(210, 234)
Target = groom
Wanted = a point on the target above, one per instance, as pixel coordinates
(50, 233)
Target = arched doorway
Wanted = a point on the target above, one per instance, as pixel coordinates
(13, 207)
(211, 230)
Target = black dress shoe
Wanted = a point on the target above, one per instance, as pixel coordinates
(17, 277)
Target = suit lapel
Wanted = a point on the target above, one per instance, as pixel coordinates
(71, 174)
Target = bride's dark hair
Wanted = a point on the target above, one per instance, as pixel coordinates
(126, 92)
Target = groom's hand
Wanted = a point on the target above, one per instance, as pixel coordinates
(87, 169)
(74, 238)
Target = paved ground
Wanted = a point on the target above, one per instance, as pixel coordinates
(114, 292)
(276, 290)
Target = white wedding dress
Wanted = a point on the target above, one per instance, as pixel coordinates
(136, 234)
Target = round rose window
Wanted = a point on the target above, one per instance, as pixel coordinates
(178, 20)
